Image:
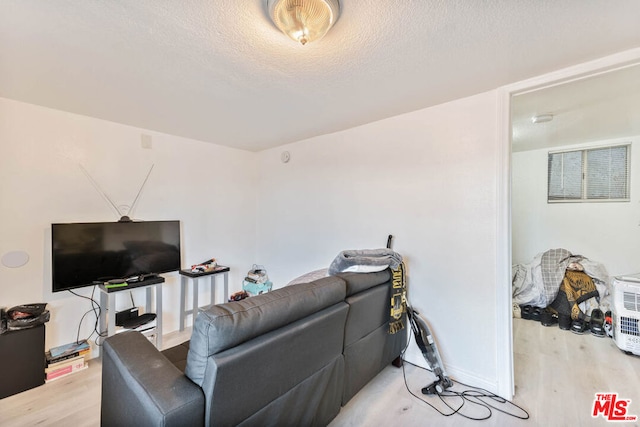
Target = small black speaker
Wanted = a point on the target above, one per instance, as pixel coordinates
(123, 316)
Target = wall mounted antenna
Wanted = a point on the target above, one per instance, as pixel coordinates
(126, 218)
(102, 193)
(123, 218)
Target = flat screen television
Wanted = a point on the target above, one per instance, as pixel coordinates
(85, 254)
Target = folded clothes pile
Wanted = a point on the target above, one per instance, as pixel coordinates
(565, 290)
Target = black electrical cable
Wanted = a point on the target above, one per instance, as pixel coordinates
(95, 308)
(455, 411)
(494, 397)
(474, 396)
(404, 375)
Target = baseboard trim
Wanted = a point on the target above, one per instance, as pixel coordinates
(413, 355)
(471, 379)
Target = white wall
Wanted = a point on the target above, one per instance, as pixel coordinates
(607, 232)
(209, 188)
(426, 177)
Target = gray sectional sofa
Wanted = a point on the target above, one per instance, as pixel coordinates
(291, 357)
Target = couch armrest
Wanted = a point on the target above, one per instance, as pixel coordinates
(140, 386)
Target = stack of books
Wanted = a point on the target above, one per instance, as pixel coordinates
(66, 360)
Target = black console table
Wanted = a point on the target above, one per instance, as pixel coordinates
(22, 360)
(108, 305)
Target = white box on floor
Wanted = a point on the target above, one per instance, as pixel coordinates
(626, 313)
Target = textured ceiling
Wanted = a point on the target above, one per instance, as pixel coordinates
(219, 71)
(601, 107)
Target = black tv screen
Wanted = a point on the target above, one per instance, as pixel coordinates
(87, 253)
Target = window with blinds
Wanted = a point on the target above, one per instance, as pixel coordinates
(596, 174)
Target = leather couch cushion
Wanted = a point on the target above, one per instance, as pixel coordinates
(365, 358)
(141, 387)
(285, 377)
(368, 311)
(358, 282)
(223, 326)
(178, 355)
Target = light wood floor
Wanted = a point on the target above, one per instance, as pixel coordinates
(557, 376)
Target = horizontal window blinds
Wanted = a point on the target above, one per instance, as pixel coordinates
(607, 173)
(593, 174)
(565, 176)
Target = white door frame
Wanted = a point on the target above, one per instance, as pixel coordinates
(504, 337)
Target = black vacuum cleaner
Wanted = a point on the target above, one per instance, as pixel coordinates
(427, 345)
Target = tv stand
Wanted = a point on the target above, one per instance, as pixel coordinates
(185, 275)
(107, 320)
(133, 285)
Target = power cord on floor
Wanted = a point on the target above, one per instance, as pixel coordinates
(96, 310)
(473, 396)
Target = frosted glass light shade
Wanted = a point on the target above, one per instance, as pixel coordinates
(304, 20)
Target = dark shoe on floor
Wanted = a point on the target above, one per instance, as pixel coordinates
(596, 324)
(536, 313)
(548, 317)
(525, 312)
(579, 326)
(564, 321)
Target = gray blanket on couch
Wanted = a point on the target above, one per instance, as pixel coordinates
(365, 261)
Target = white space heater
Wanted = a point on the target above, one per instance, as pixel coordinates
(626, 313)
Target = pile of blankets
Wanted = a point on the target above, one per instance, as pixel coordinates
(582, 282)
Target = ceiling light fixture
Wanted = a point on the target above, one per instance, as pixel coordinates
(542, 118)
(304, 20)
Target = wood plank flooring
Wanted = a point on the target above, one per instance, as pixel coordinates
(557, 375)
